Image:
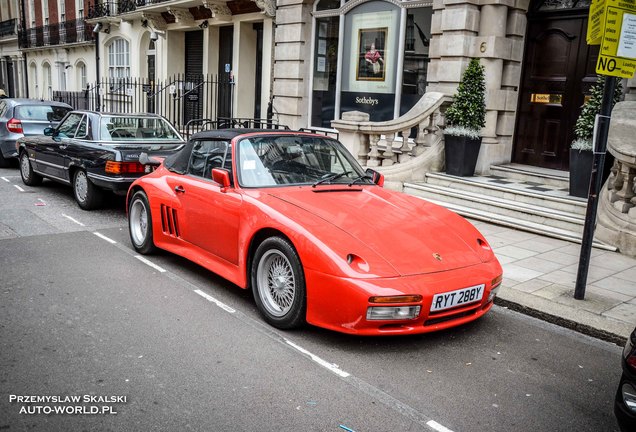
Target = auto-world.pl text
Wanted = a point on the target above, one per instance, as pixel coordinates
(71, 404)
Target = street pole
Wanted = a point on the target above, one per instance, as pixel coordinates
(600, 146)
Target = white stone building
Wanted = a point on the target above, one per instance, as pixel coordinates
(12, 77)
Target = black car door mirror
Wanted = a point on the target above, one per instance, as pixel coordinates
(49, 131)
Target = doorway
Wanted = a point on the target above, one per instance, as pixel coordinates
(559, 69)
(226, 77)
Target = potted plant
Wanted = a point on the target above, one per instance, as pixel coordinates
(465, 118)
(581, 156)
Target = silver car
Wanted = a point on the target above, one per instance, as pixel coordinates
(26, 117)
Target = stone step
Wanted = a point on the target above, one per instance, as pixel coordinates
(517, 223)
(536, 214)
(526, 173)
(479, 185)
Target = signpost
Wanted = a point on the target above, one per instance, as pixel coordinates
(612, 25)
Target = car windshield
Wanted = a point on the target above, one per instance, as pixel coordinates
(291, 160)
(40, 112)
(136, 128)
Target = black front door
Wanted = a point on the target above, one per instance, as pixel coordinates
(226, 77)
(192, 100)
(558, 72)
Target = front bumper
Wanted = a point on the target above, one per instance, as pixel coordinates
(341, 304)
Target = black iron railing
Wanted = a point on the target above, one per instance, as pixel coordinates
(180, 98)
(8, 27)
(99, 9)
(56, 34)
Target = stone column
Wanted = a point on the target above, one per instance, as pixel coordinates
(292, 42)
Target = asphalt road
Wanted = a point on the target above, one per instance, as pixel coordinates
(80, 315)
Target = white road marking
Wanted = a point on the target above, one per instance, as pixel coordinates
(332, 367)
(5, 179)
(215, 301)
(18, 188)
(150, 263)
(73, 220)
(438, 427)
(102, 236)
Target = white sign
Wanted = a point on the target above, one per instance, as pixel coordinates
(130, 92)
(173, 89)
(627, 41)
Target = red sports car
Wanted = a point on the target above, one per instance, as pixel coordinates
(294, 217)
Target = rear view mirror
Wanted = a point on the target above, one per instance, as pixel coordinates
(222, 177)
(376, 177)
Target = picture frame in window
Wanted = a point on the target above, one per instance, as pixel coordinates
(371, 64)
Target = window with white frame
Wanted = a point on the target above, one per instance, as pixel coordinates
(118, 59)
(61, 7)
(48, 81)
(33, 75)
(32, 12)
(45, 12)
(79, 7)
(81, 75)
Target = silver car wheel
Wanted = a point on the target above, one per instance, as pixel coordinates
(276, 283)
(138, 222)
(25, 166)
(81, 186)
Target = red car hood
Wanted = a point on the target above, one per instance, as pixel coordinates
(407, 232)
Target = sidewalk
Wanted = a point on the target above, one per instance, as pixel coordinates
(539, 278)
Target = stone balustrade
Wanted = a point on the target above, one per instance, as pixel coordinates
(386, 145)
(616, 223)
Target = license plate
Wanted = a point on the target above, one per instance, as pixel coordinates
(456, 298)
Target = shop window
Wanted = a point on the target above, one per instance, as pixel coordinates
(416, 60)
(325, 71)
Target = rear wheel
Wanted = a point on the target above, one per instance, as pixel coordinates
(87, 195)
(278, 283)
(29, 177)
(140, 224)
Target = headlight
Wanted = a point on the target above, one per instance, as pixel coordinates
(393, 312)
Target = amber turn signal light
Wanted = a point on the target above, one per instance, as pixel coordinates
(396, 299)
(496, 281)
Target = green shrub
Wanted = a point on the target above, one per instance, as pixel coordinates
(467, 114)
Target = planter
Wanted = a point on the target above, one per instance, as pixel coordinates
(461, 155)
(581, 162)
(580, 172)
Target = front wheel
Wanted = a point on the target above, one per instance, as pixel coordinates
(87, 195)
(278, 283)
(140, 224)
(29, 177)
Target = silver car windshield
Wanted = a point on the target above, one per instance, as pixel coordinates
(136, 128)
(293, 160)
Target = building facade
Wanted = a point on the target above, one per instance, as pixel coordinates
(12, 76)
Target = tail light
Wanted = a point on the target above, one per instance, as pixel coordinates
(15, 126)
(113, 167)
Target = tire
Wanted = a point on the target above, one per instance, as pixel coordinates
(282, 302)
(140, 224)
(29, 177)
(87, 195)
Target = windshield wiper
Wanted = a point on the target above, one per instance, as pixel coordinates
(331, 177)
(364, 176)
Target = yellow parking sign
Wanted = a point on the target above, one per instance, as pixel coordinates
(617, 24)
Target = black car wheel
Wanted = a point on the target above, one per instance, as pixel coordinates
(87, 195)
(140, 224)
(29, 177)
(278, 283)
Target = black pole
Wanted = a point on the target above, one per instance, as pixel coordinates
(24, 56)
(97, 83)
(600, 139)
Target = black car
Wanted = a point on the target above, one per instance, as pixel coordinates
(95, 151)
(625, 402)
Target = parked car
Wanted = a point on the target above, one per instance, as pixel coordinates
(26, 117)
(625, 401)
(95, 151)
(295, 217)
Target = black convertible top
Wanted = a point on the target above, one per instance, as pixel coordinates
(178, 162)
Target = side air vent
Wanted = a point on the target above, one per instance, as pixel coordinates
(169, 221)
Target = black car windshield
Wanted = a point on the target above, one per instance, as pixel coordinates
(136, 128)
(275, 160)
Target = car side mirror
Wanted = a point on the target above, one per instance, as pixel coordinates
(49, 131)
(376, 177)
(222, 177)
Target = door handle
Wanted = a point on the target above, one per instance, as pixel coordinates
(179, 189)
